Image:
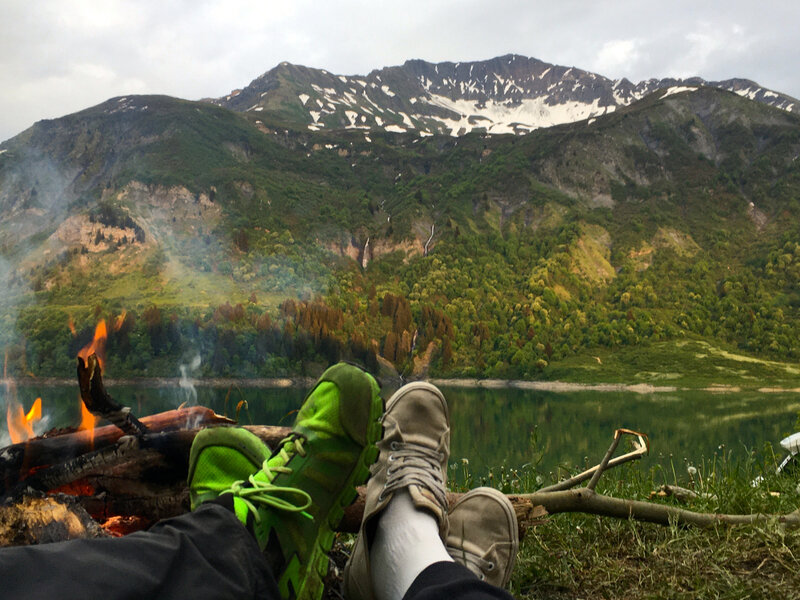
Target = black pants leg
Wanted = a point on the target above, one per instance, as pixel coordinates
(452, 581)
(203, 555)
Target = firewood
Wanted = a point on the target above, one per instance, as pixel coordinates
(128, 459)
(99, 401)
(18, 460)
(135, 477)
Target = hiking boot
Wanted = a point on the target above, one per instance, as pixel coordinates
(221, 456)
(413, 456)
(296, 500)
(483, 535)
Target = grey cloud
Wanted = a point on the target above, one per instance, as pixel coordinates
(58, 56)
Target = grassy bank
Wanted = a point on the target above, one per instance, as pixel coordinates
(684, 363)
(573, 556)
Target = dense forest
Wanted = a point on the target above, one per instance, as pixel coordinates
(196, 232)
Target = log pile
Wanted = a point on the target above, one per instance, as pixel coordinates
(111, 480)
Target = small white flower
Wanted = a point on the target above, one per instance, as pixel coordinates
(464, 461)
(692, 471)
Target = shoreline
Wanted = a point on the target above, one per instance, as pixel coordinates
(470, 383)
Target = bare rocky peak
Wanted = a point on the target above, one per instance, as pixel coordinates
(507, 94)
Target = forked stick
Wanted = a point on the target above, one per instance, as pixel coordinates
(642, 444)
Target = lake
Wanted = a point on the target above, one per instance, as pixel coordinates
(492, 427)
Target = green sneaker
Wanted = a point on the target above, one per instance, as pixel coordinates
(221, 456)
(294, 503)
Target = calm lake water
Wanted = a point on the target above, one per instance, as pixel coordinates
(495, 427)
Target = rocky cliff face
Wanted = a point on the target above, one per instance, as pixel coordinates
(507, 94)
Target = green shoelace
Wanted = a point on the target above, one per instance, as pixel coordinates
(255, 491)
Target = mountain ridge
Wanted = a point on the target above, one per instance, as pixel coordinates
(506, 94)
(259, 246)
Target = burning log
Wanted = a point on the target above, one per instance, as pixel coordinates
(128, 482)
(18, 460)
(168, 449)
(99, 401)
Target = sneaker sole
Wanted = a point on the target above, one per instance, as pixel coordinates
(501, 500)
(419, 385)
(312, 586)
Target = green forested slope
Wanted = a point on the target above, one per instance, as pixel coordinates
(653, 243)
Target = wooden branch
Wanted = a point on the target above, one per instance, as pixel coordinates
(99, 401)
(588, 501)
(18, 459)
(642, 448)
(531, 508)
(681, 494)
(604, 463)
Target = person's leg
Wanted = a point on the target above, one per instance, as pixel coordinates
(405, 516)
(293, 504)
(288, 504)
(483, 541)
(453, 581)
(205, 554)
(400, 552)
(484, 535)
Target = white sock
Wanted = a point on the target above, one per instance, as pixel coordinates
(406, 543)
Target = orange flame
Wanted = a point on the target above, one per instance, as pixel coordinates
(20, 425)
(97, 345)
(71, 325)
(35, 413)
(120, 320)
(88, 421)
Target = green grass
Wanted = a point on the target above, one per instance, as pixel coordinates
(588, 556)
(691, 363)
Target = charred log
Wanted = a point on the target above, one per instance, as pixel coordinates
(99, 401)
(18, 461)
(131, 483)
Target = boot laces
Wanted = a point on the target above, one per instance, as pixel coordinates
(256, 491)
(412, 464)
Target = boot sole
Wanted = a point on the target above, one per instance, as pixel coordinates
(312, 586)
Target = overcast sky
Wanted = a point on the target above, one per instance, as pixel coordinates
(59, 56)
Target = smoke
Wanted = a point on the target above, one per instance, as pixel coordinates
(188, 393)
(8, 386)
(35, 195)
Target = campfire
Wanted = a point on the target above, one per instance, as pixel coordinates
(20, 424)
(94, 481)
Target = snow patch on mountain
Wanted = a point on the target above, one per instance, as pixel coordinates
(509, 94)
(677, 90)
(511, 117)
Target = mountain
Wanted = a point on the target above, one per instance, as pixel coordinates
(507, 94)
(662, 231)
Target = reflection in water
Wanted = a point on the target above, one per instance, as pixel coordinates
(495, 427)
